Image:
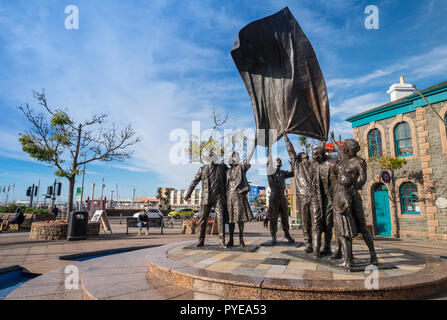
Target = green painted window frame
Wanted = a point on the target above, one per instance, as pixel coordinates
(373, 141)
(412, 197)
(407, 138)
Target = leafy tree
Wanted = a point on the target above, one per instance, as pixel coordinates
(307, 144)
(163, 200)
(57, 139)
(391, 164)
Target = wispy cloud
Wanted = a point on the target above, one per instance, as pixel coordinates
(161, 64)
(427, 64)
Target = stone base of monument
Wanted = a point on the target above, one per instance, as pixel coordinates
(282, 243)
(278, 272)
(215, 247)
(359, 265)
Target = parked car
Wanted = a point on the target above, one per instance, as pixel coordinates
(257, 213)
(152, 213)
(155, 217)
(182, 213)
(197, 214)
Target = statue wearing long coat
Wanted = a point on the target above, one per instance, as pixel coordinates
(237, 193)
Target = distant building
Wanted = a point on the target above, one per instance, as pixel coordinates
(409, 129)
(146, 202)
(257, 193)
(177, 199)
(290, 194)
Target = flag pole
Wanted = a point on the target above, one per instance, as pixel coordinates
(429, 104)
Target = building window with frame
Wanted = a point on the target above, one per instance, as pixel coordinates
(409, 198)
(403, 140)
(375, 143)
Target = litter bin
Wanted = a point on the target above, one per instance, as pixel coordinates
(77, 225)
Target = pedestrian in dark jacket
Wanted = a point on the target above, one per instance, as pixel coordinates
(143, 220)
(17, 219)
(266, 217)
(55, 212)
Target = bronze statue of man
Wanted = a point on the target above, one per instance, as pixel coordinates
(308, 201)
(237, 200)
(322, 167)
(278, 205)
(353, 175)
(213, 177)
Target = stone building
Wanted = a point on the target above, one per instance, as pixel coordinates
(407, 128)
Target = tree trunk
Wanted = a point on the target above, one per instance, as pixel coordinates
(71, 181)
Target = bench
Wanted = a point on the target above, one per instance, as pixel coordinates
(131, 222)
(2, 220)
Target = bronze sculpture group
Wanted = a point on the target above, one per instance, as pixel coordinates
(327, 192)
(288, 94)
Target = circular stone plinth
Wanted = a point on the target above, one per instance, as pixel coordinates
(268, 273)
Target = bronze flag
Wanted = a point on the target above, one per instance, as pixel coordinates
(282, 76)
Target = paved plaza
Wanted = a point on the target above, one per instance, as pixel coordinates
(42, 257)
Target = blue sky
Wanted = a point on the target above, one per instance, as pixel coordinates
(159, 65)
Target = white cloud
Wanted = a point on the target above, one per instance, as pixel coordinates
(427, 64)
(358, 104)
(150, 77)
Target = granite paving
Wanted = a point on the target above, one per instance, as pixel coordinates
(124, 276)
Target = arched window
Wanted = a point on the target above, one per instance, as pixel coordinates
(403, 140)
(375, 143)
(409, 198)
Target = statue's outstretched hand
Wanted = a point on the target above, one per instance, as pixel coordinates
(332, 135)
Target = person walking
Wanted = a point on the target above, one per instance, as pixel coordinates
(55, 212)
(266, 216)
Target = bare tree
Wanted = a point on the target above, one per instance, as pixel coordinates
(199, 148)
(56, 138)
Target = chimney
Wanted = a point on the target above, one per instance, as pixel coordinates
(400, 90)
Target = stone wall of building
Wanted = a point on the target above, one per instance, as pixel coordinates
(405, 224)
(427, 168)
(438, 153)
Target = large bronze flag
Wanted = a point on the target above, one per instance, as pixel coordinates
(283, 77)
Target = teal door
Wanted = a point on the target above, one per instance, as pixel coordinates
(382, 206)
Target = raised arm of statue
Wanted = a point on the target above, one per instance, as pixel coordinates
(290, 149)
(246, 165)
(337, 148)
(194, 183)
